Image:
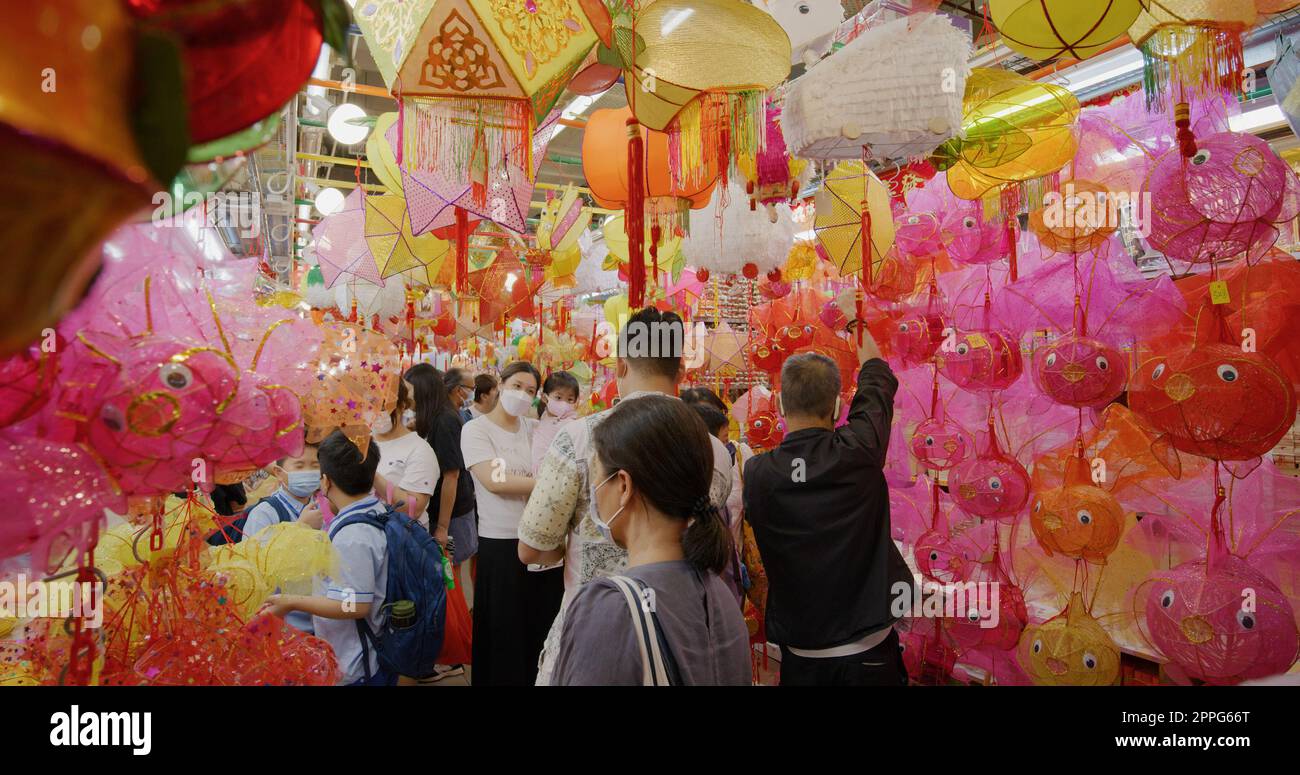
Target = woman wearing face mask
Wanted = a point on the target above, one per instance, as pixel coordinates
(559, 405)
(408, 470)
(652, 466)
(439, 424)
(514, 604)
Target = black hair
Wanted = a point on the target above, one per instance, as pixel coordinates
(562, 380)
(702, 395)
(517, 367)
(810, 383)
(484, 384)
(714, 420)
(664, 447)
(652, 342)
(453, 378)
(306, 442)
(341, 461)
(403, 402)
(431, 398)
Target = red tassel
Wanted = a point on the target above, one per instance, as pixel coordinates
(462, 250)
(634, 215)
(656, 232)
(1011, 245)
(1183, 120)
(866, 246)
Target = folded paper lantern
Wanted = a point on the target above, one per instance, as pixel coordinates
(73, 168)
(395, 248)
(1058, 28)
(853, 218)
(341, 246)
(896, 89)
(1015, 132)
(475, 77)
(564, 218)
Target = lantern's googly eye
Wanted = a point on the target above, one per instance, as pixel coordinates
(1246, 620)
(1202, 156)
(176, 376)
(973, 616)
(913, 220)
(1102, 363)
(1089, 661)
(804, 8)
(963, 348)
(1051, 359)
(1085, 517)
(1038, 646)
(902, 328)
(1228, 373)
(929, 441)
(1158, 371)
(112, 418)
(995, 483)
(1167, 599)
(934, 556)
(968, 222)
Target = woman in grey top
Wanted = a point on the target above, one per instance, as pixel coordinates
(653, 463)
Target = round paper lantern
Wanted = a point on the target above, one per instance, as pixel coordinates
(942, 557)
(1047, 29)
(1078, 371)
(991, 485)
(605, 165)
(1222, 622)
(1000, 630)
(1075, 220)
(1070, 649)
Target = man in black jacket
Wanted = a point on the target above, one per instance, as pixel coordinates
(819, 507)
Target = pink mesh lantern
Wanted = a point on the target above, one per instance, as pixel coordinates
(972, 239)
(1225, 201)
(981, 360)
(991, 485)
(26, 379)
(1080, 371)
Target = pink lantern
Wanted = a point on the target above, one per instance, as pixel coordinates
(1081, 372)
(26, 380)
(981, 360)
(991, 485)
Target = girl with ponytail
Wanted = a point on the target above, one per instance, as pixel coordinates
(652, 466)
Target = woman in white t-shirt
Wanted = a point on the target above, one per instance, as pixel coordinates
(514, 604)
(408, 469)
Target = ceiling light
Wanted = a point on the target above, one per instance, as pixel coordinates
(329, 201)
(341, 124)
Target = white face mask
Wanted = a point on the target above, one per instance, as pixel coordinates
(516, 402)
(601, 525)
(408, 417)
(382, 425)
(559, 409)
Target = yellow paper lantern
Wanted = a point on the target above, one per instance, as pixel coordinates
(616, 310)
(1047, 29)
(839, 206)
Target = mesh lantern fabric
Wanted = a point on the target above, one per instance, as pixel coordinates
(341, 245)
(356, 384)
(1075, 220)
(1211, 398)
(896, 89)
(1015, 130)
(1079, 371)
(848, 191)
(981, 361)
(396, 249)
(1070, 649)
(1078, 518)
(990, 485)
(1225, 201)
(71, 157)
(1047, 29)
(1196, 617)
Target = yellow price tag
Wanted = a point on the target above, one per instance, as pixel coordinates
(1219, 292)
(976, 340)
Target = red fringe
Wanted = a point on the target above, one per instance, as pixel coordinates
(634, 215)
(462, 251)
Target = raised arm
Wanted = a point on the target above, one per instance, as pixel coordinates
(872, 412)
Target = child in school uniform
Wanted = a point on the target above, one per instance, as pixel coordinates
(559, 405)
(358, 590)
(299, 479)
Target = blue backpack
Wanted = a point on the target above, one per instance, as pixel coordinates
(415, 600)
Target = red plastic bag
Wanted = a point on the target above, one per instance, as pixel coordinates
(458, 630)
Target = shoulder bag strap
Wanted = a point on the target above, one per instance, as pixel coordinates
(653, 671)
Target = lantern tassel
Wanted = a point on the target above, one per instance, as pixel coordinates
(462, 250)
(634, 217)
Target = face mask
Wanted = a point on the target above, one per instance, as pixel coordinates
(603, 526)
(300, 484)
(326, 510)
(383, 425)
(559, 409)
(408, 417)
(516, 402)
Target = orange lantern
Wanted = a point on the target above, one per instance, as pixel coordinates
(605, 153)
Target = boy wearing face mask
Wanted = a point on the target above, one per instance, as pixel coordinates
(559, 405)
(299, 479)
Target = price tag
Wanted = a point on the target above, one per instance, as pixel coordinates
(1219, 292)
(977, 340)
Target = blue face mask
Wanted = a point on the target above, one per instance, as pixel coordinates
(302, 483)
